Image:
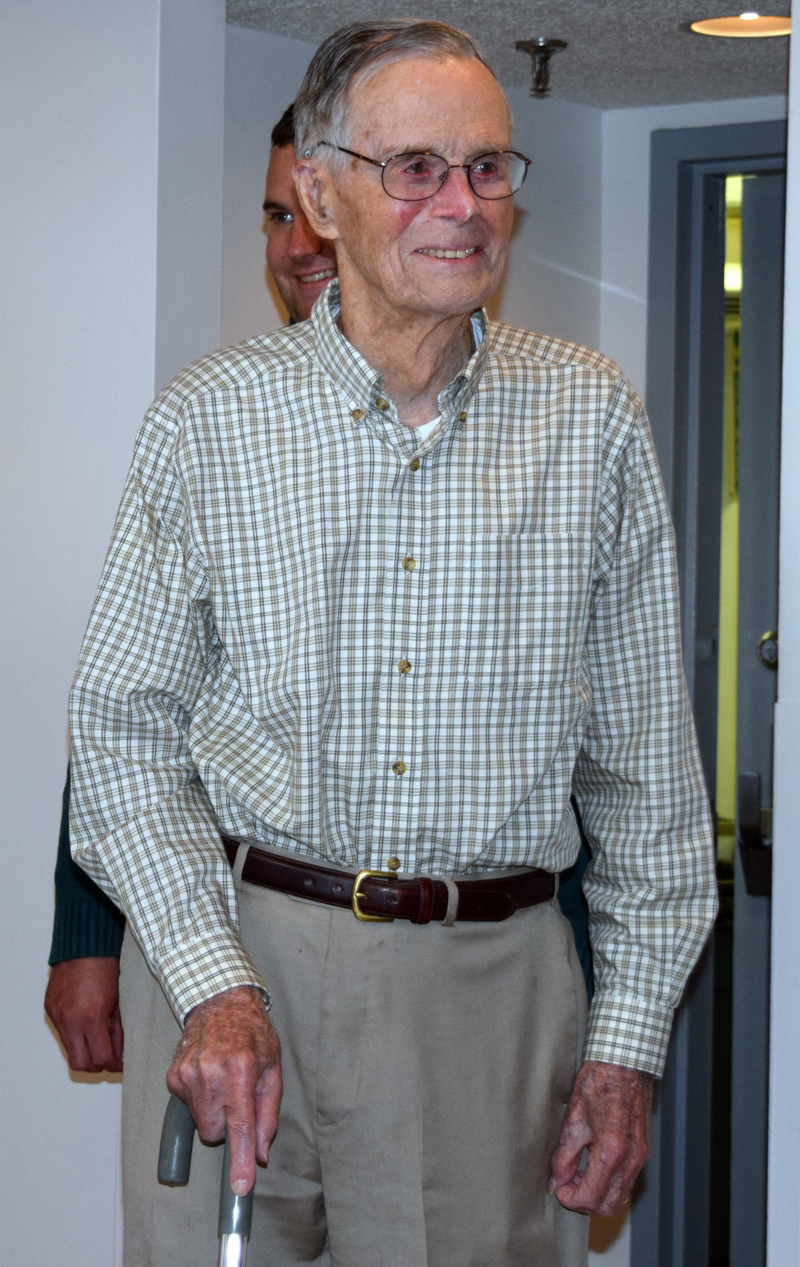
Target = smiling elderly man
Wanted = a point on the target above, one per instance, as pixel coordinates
(386, 589)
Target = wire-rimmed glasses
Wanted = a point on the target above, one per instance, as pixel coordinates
(417, 175)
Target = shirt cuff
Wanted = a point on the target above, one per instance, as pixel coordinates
(198, 970)
(627, 1029)
(88, 929)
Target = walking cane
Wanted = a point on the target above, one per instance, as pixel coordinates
(174, 1164)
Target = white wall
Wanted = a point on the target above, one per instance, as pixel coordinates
(191, 129)
(78, 99)
(262, 75)
(783, 1204)
(554, 262)
(82, 105)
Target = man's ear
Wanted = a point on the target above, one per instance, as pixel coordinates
(314, 193)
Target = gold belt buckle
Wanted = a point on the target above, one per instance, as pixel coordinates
(354, 901)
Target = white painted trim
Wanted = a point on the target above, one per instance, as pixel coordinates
(783, 1207)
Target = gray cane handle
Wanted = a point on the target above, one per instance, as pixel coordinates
(177, 1138)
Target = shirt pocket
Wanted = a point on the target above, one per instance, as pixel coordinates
(524, 612)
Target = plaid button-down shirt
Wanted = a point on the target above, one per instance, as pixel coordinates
(314, 632)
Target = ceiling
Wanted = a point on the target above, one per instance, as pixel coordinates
(621, 52)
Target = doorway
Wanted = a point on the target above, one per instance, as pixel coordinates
(714, 345)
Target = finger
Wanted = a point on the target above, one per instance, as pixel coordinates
(241, 1127)
(98, 1040)
(609, 1162)
(204, 1098)
(117, 1035)
(268, 1102)
(622, 1182)
(77, 1049)
(575, 1136)
(72, 1033)
(617, 1197)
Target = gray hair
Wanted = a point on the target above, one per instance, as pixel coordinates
(357, 51)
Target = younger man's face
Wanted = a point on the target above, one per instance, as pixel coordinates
(301, 263)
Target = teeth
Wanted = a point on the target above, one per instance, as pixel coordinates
(318, 277)
(448, 255)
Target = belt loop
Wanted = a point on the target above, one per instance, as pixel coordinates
(238, 865)
(556, 887)
(452, 901)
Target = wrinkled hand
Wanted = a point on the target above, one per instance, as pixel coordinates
(82, 1001)
(608, 1113)
(227, 1068)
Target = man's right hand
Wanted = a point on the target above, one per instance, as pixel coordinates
(82, 1001)
(227, 1068)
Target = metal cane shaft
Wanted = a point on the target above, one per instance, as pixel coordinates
(235, 1217)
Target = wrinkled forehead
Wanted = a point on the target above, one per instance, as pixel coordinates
(427, 94)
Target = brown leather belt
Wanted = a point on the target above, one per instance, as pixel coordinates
(377, 895)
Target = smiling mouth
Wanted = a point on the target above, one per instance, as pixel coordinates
(439, 254)
(325, 276)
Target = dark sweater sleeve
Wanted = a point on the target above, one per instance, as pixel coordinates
(573, 905)
(87, 924)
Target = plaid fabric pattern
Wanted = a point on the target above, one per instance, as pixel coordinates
(315, 633)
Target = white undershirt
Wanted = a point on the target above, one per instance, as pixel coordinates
(425, 428)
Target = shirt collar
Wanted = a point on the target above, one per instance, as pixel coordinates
(356, 377)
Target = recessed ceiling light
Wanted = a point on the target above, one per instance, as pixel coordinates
(745, 26)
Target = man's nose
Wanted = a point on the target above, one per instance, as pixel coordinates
(456, 198)
(304, 240)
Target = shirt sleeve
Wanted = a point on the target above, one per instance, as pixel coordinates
(651, 885)
(140, 820)
(86, 924)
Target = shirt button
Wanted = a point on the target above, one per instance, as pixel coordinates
(357, 415)
(462, 417)
(382, 403)
(414, 464)
(409, 564)
(399, 767)
(404, 666)
(393, 864)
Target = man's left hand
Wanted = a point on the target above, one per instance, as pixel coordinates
(608, 1113)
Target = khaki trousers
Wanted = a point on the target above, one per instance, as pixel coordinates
(426, 1070)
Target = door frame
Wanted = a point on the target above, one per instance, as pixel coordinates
(669, 1220)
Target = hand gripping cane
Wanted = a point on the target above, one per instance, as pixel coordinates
(174, 1163)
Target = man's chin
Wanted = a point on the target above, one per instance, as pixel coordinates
(453, 301)
(303, 297)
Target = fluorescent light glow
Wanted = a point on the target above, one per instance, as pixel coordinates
(744, 26)
(733, 278)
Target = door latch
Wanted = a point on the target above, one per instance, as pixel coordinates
(767, 649)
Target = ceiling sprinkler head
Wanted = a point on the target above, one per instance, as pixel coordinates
(541, 50)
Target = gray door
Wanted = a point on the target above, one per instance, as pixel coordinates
(758, 465)
(702, 1196)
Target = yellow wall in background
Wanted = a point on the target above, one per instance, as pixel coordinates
(729, 550)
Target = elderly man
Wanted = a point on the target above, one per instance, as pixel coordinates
(359, 629)
(82, 998)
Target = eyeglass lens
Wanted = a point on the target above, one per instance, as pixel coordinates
(412, 177)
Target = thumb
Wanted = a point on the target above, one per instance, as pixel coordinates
(575, 1136)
